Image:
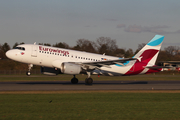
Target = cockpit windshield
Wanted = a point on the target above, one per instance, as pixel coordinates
(20, 48)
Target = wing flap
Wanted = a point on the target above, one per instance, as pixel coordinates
(108, 62)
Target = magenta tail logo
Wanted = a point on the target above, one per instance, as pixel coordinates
(142, 62)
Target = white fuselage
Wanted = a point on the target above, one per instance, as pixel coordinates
(75, 62)
(46, 56)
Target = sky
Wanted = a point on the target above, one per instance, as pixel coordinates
(129, 22)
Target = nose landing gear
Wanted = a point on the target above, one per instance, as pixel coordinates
(28, 73)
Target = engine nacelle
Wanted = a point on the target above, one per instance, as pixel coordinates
(50, 71)
(70, 68)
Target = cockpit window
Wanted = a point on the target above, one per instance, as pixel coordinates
(20, 48)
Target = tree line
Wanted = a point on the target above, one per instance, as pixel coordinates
(103, 45)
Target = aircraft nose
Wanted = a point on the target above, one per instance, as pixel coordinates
(9, 54)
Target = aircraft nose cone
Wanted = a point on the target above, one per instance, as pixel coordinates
(9, 54)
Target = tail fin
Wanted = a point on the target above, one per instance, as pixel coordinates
(148, 54)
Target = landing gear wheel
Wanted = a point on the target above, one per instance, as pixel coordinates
(28, 73)
(74, 80)
(88, 81)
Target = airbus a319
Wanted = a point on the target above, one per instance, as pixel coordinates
(54, 61)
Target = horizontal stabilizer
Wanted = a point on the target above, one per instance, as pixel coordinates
(158, 67)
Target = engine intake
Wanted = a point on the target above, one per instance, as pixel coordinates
(70, 68)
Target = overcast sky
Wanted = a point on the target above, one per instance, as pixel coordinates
(130, 22)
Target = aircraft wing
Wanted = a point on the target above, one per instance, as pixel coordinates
(173, 62)
(107, 62)
(158, 67)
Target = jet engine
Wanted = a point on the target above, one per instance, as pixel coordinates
(70, 68)
(50, 71)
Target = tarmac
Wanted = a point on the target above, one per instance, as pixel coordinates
(97, 85)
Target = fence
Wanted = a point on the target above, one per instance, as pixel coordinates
(18, 72)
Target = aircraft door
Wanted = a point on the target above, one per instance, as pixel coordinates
(34, 51)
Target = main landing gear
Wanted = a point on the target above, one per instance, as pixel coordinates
(88, 81)
(28, 73)
(74, 80)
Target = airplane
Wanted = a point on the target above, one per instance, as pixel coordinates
(54, 61)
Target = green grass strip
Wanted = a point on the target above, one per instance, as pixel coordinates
(90, 106)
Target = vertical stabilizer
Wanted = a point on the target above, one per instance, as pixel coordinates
(149, 53)
(146, 57)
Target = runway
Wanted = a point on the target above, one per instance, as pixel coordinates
(97, 85)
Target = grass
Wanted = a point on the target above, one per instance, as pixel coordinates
(91, 106)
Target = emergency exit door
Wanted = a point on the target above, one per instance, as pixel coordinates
(34, 51)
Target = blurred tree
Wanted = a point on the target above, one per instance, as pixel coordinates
(129, 53)
(120, 52)
(1, 52)
(172, 50)
(85, 45)
(45, 44)
(163, 56)
(61, 45)
(140, 46)
(3, 49)
(106, 45)
(16, 44)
